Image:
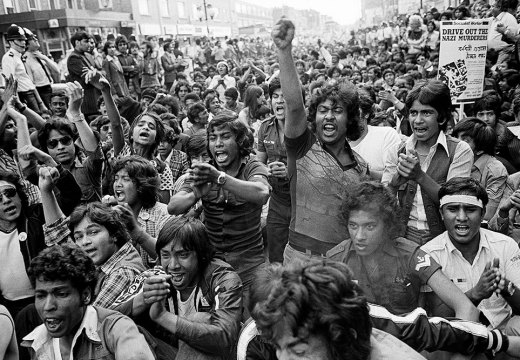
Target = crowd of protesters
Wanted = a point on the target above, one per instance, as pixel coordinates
(151, 191)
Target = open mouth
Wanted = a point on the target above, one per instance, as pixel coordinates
(11, 210)
(52, 324)
(462, 230)
(329, 129)
(221, 156)
(279, 110)
(420, 131)
(177, 278)
(119, 195)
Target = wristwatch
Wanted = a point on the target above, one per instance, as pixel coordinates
(221, 180)
(511, 288)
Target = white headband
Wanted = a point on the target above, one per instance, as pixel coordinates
(465, 199)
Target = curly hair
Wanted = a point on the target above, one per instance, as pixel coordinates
(159, 129)
(243, 136)
(344, 94)
(180, 84)
(435, 94)
(65, 263)
(171, 136)
(143, 175)
(192, 235)
(103, 215)
(374, 197)
(314, 298)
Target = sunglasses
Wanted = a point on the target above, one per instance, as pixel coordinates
(66, 141)
(9, 193)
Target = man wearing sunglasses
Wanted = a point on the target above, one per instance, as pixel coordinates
(83, 158)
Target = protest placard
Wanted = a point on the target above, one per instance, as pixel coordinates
(462, 58)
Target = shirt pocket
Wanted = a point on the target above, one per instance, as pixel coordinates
(403, 298)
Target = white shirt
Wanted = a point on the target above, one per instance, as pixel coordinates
(377, 145)
(466, 275)
(14, 282)
(460, 167)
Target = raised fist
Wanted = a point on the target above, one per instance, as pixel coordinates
(283, 33)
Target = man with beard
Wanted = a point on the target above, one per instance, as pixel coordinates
(320, 163)
(233, 189)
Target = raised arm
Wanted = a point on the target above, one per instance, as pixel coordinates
(52, 211)
(118, 137)
(295, 117)
(88, 139)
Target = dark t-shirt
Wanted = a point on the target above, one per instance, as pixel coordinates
(317, 180)
(233, 224)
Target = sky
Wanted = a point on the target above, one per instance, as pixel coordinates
(345, 12)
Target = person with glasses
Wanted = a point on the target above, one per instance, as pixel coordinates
(83, 157)
(416, 168)
(320, 162)
(26, 229)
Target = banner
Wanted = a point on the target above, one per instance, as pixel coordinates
(462, 58)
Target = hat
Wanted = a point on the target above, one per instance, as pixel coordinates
(29, 34)
(15, 32)
(149, 93)
(223, 63)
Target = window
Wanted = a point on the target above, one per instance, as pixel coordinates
(143, 7)
(181, 9)
(9, 6)
(163, 7)
(32, 5)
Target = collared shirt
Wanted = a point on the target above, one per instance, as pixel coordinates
(165, 176)
(178, 163)
(466, 276)
(116, 275)
(460, 167)
(494, 37)
(492, 175)
(233, 223)
(114, 336)
(396, 283)
(8, 163)
(269, 143)
(151, 221)
(13, 64)
(39, 75)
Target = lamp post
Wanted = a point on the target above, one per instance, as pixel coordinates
(209, 10)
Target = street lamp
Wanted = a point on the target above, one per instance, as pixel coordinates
(209, 10)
